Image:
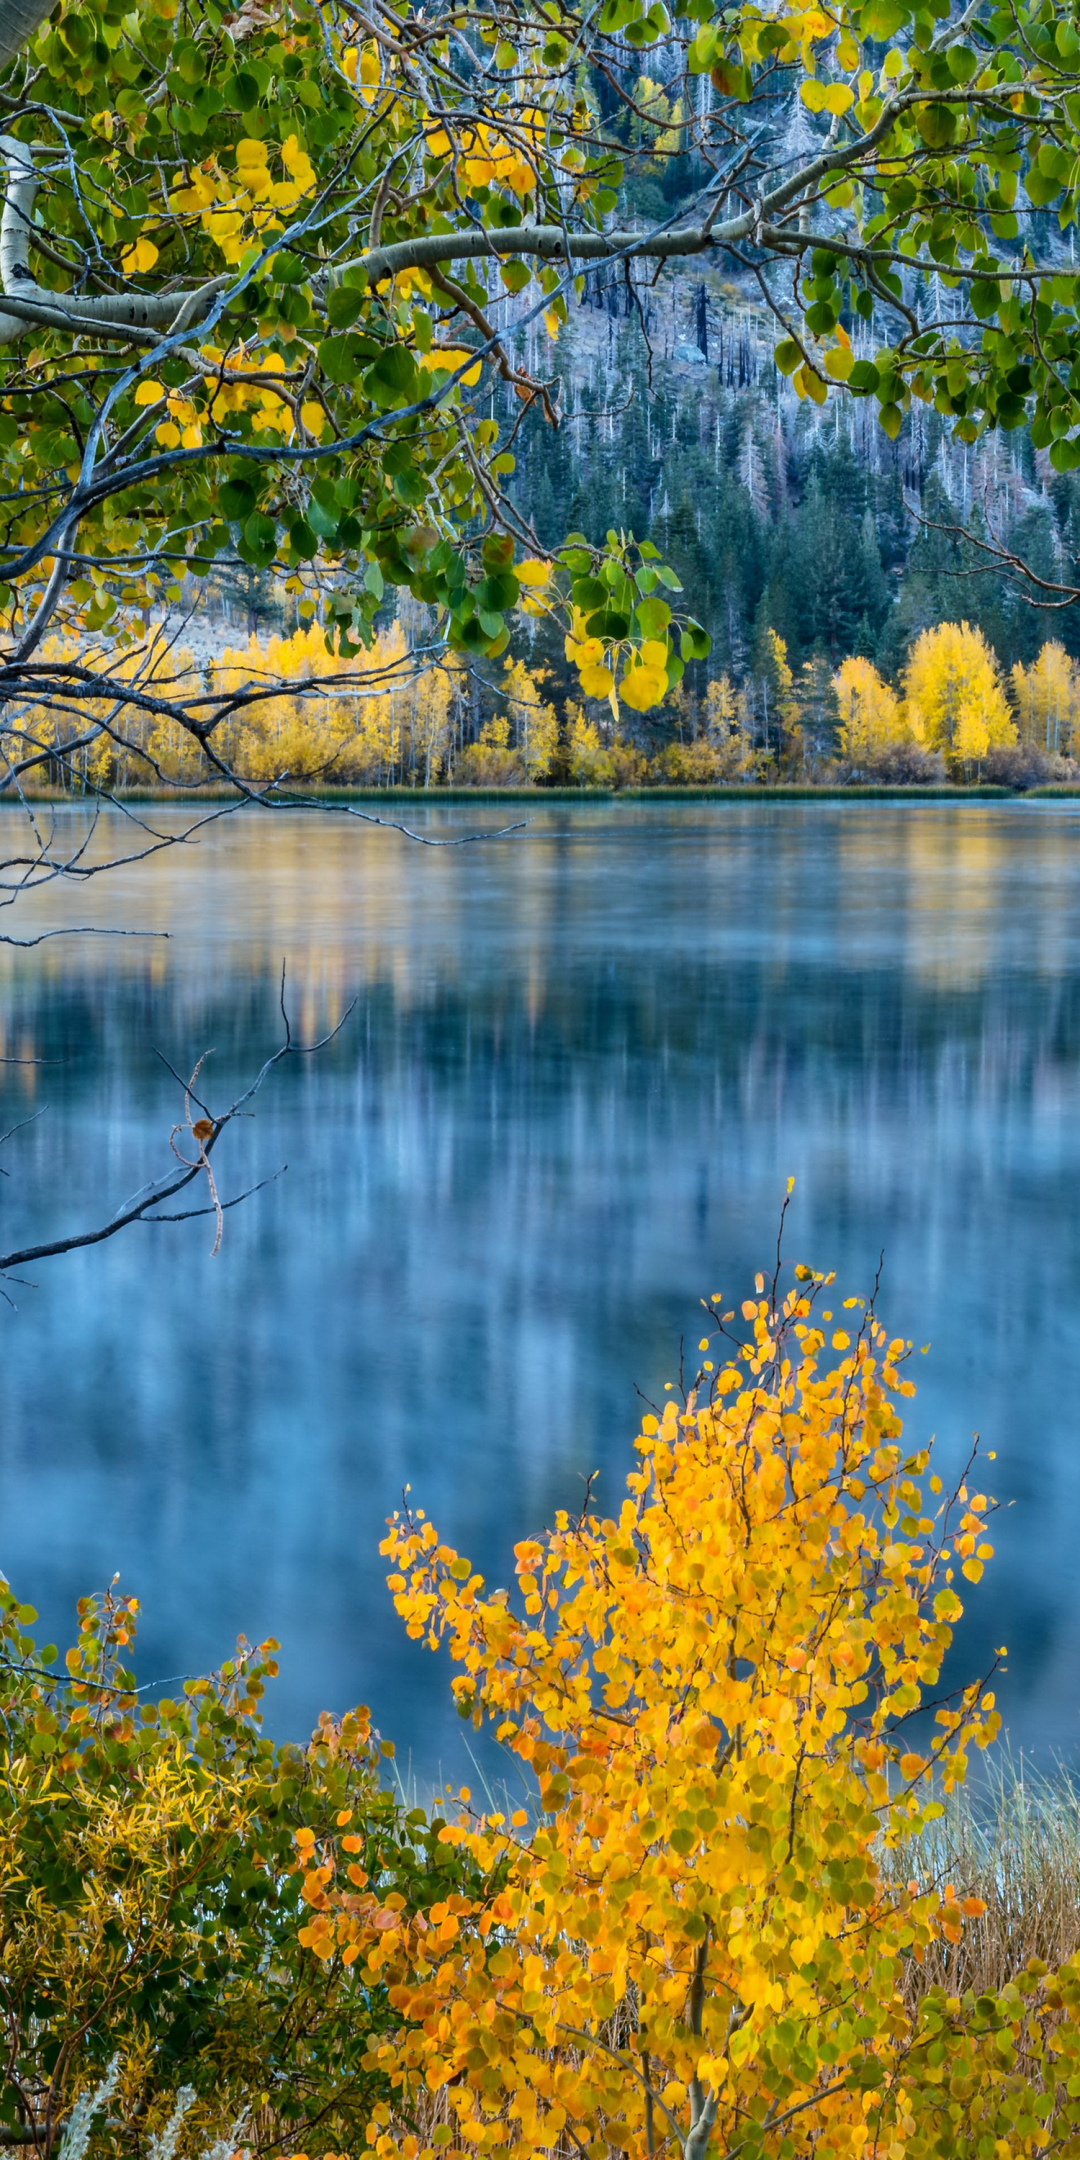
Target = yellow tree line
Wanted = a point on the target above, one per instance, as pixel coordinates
(954, 701)
(304, 716)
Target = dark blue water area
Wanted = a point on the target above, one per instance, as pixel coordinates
(583, 1061)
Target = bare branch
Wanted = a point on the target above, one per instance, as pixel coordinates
(206, 1132)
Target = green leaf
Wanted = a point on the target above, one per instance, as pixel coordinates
(652, 617)
(608, 623)
(259, 539)
(695, 642)
(343, 304)
(237, 499)
(588, 593)
(962, 63)
(496, 593)
(936, 125)
(321, 521)
(392, 379)
(882, 18)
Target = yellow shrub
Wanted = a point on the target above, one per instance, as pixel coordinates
(490, 761)
(696, 1915)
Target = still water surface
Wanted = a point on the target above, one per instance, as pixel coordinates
(583, 1062)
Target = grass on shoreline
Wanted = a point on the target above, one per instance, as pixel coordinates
(542, 796)
(1015, 1843)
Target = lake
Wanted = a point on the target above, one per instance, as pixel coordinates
(584, 1060)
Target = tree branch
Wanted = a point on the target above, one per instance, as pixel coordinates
(28, 303)
(205, 1132)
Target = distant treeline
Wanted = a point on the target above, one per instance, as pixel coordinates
(392, 720)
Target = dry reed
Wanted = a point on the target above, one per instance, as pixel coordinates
(1014, 1842)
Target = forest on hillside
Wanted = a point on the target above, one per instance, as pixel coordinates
(781, 515)
(805, 540)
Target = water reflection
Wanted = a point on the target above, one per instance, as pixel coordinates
(583, 1063)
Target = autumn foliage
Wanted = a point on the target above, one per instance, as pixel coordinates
(726, 1702)
(148, 1903)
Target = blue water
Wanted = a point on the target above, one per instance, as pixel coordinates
(583, 1062)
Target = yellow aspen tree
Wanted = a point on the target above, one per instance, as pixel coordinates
(775, 686)
(871, 715)
(591, 762)
(490, 761)
(954, 699)
(1046, 696)
(721, 708)
(700, 1925)
(536, 729)
(139, 751)
(720, 755)
(348, 730)
(428, 699)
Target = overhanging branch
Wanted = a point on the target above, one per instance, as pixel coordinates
(27, 305)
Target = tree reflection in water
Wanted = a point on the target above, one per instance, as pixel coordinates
(583, 1064)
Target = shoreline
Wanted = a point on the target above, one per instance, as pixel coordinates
(781, 792)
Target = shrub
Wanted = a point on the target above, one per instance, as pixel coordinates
(900, 764)
(149, 1891)
(700, 1923)
(490, 761)
(707, 762)
(1019, 765)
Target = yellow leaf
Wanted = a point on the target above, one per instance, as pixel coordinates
(149, 393)
(532, 572)
(813, 95)
(839, 361)
(643, 687)
(595, 679)
(809, 384)
(838, 98)
(450, 358)
(141, 256)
